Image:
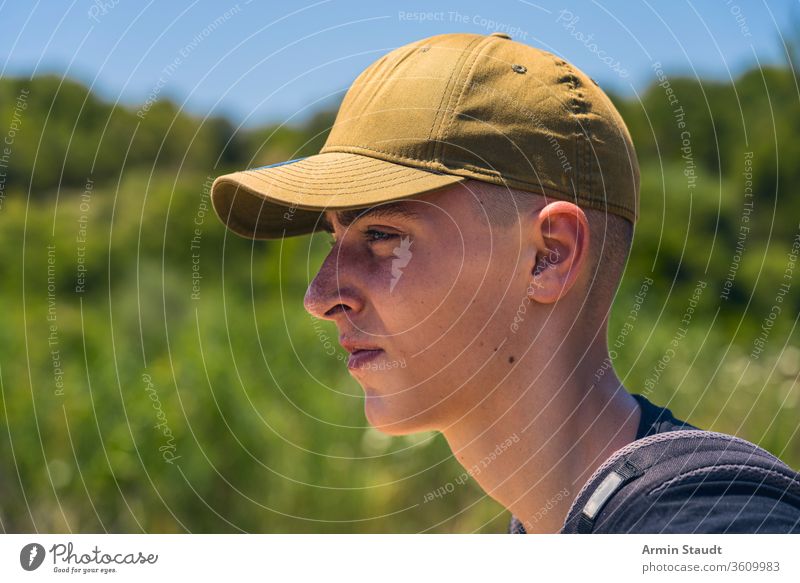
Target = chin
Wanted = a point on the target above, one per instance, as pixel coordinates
(390, 418)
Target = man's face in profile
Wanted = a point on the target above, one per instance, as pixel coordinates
(423, 292)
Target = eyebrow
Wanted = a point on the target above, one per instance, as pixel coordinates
(397, 210)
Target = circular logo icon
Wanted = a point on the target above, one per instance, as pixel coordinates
(31, 556)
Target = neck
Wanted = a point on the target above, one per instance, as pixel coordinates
(547, 437)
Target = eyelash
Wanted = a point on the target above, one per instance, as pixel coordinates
(387, 237)
(368, 236)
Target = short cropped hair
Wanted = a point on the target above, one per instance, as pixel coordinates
(610, 240)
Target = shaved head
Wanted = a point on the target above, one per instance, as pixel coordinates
(610, 241)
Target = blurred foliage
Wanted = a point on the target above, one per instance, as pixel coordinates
(269, 438)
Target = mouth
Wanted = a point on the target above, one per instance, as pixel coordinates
(361, 353)
(360, 359)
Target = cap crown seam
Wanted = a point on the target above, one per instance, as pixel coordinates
(439, 120)
(487, 42)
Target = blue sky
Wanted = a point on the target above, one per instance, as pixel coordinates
(257, 61)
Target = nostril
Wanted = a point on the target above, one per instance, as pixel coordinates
(335, 309)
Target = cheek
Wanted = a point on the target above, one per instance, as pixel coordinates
(441, 302)
(437, 304)
(479, 311)
(432, 275)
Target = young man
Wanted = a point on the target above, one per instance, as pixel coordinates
(481, 196)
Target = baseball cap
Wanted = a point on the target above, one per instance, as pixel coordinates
(437, 112)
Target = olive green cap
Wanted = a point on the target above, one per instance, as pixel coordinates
(435, 113)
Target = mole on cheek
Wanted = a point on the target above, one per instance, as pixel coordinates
(510, 359)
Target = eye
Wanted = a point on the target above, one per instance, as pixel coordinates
(374, 235)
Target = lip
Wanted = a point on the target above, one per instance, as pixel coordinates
(352, 345)
(360, 359)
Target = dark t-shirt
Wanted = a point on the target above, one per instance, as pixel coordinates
(702, 514)
(656, 419)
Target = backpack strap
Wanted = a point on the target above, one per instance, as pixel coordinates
(647, 468)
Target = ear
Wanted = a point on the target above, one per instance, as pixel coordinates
(560, 234)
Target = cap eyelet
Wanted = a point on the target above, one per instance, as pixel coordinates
(521, 69)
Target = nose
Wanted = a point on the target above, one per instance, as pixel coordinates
(332, 293)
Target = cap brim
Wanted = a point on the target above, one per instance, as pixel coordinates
(287, 199)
